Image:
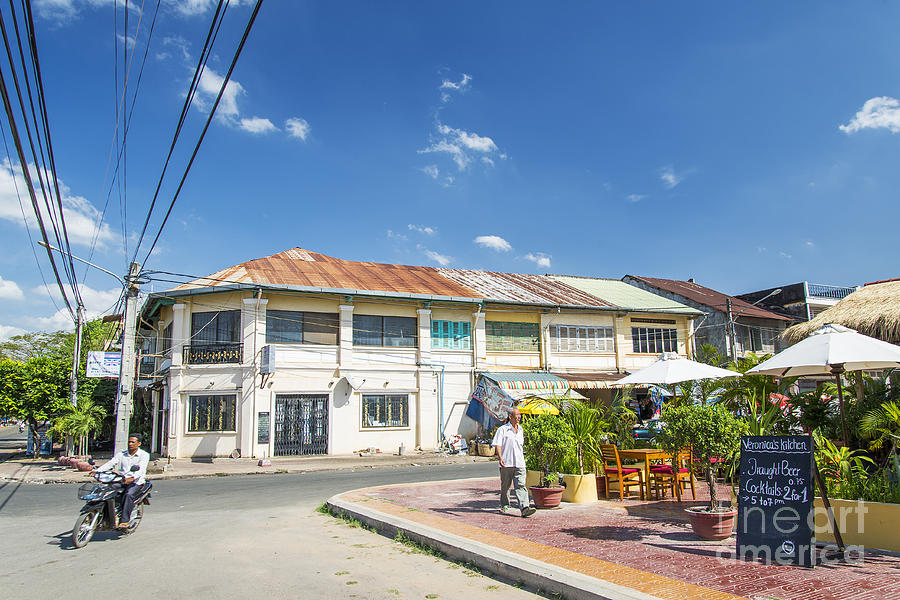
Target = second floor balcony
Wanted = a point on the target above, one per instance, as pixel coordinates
(832, 292)
(213, 354)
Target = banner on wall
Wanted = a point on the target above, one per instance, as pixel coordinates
(104, 364)
(496, 402)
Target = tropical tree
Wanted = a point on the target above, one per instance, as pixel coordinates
(35, 391)
(589, 430)
(81, 421)
(883, 425)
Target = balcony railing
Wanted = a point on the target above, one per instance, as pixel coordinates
(212, 354)
(834, 292)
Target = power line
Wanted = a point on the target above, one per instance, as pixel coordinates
(212, 112)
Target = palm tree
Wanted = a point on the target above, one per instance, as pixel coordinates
(81, 421)
(882, 425)
(589, 431)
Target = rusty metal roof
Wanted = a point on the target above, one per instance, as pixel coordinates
(514, 287)
(709, 297)
(298, 268)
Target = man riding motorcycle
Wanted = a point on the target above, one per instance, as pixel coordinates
(134, 480)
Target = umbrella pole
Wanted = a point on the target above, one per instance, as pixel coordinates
(837, 370)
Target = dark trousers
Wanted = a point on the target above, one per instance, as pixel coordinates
(132, 491)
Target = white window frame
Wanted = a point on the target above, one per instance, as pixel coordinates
(187, 412)
(586, 338)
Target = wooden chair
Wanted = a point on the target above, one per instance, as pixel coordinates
(612, 466)
(664, 476)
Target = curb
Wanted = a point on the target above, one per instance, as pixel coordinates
(273, 470)
(533, 574)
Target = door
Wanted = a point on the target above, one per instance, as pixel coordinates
(301, 424)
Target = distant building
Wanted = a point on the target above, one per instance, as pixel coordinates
(800, 301)
(749, 328)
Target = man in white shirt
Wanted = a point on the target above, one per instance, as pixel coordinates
(508, 441)
(134, 480)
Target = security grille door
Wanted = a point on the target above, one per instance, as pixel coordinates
(301, 425)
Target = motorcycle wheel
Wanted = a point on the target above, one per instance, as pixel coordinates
(137, 513)
(85, 526)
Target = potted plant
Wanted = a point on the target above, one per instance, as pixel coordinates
(711, 432)
(589, 430)
(548, 440)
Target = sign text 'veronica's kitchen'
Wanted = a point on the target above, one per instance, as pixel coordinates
(775, 499)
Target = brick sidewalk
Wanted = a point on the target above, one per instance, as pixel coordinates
(647, 546)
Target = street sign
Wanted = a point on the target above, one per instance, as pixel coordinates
(775, 499)
(104, 364)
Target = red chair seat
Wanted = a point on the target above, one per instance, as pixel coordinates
(666, 469)
(624, 471)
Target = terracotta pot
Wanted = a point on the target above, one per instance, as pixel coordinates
(83, 466)
(547, 497)
(63, 461)
(715, 526)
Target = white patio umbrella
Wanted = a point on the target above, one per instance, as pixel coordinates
(672, 368)
(832, 349)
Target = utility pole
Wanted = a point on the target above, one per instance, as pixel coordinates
(126, 369)
(730, 331)
(76, 361)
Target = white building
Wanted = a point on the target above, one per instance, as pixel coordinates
(301, 353)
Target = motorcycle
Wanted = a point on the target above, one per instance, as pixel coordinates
(103, 506)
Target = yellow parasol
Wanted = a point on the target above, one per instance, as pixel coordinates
(537, 406)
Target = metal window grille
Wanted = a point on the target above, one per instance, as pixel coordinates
(212, 413)
(573, 338)
(385, 410)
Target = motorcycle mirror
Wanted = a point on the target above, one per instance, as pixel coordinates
(135, 468)
(91, 461)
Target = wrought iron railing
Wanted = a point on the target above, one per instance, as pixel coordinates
(210, 354)
(835, 292)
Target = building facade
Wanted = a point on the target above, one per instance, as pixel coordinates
(300, 353)
(801, 301)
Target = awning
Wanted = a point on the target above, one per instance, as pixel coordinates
(590, 381)
(527, 380)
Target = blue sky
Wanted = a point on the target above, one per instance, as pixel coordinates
(746, 146)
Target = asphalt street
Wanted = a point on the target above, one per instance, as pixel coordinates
(229, 537)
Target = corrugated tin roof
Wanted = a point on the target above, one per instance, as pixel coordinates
(709, 297)
(619, 293)
(298, 267)
(515, 287)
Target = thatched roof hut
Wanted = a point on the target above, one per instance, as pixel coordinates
(873, 310)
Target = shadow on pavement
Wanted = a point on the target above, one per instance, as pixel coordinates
(64, 540)
(607, 533)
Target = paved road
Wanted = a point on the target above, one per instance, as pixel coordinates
(230, 537)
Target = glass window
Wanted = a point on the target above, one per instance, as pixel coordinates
(654, 340)
(165, 341)
(451, 335)
(502, 335)
(284, 327)
(385, 410)
(295, 327)
(370, 330)
(572, 338)
(211, 413)
(215, 327)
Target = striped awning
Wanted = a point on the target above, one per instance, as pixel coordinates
(529, 380)
(590, 381)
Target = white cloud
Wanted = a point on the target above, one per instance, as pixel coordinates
(257, 125)
(192, 8)
(61, 12)
(448, 86)
(177, 44)
(882, 112)
(494, 242)
(208, 89)
(81, 216)
(810, 244)
(669, 178)
(7, 331)
(126, 39)
(635, 197)
(431, 170)
(540, 259)
(460, 145)
(297, 127)
(441, 259)
(785, 255)
(96, 302)
(10, 290)
(392, 235)
(422, 229)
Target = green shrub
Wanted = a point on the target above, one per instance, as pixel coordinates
(548, 441)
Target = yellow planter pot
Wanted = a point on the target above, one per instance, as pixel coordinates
(579, 488)
(869, 524)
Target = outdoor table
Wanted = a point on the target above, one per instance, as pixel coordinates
(646, 455)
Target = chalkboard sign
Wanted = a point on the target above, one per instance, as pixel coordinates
(262, 428)
(775, 499)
